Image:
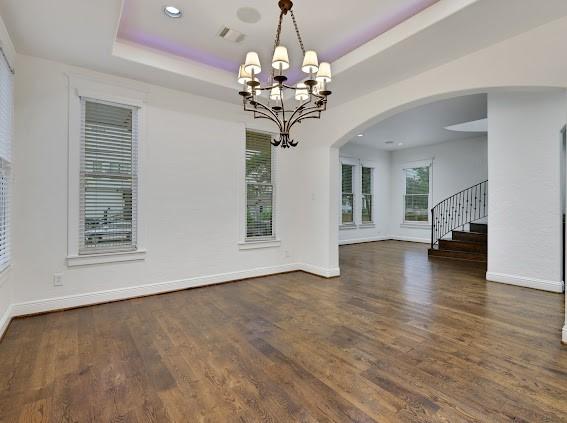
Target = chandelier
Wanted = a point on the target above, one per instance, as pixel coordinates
(283, 104)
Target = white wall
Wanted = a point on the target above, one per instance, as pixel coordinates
(315, 199)
(380, 161)
(191, 154)
(524, 241)
(456, 165)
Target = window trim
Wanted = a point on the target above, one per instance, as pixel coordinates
(357, 193)
(355, 187)
(413, 223)
(371, 222)
(7, 160)
(81, 86)
(245, 243)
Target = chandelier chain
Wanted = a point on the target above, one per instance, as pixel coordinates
(297, 31)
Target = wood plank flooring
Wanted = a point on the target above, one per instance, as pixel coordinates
(397, 338)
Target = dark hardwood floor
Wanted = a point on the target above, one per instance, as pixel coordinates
(397, 338)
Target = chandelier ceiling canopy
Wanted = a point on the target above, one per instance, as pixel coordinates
(283, 104)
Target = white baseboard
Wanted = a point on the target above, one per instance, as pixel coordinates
(320, 271)
(544, 285)
(363, 240)
(5, 320)
(411, 239)
(564, 334)
(385, 238)
(78, 300)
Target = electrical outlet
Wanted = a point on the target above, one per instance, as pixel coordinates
(286, 254)
(58, 279)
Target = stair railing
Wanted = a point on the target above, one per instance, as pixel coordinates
(460, 209)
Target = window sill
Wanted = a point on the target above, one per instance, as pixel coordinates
(424, 225)
(255, 245)
(347, 226)
(367, 225)
(88, 259)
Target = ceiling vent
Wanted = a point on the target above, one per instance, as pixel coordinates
(230, 34)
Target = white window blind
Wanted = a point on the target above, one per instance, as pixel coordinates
(259, 186)
(347, 194)
(416, 198)
(367, 204)
(6, 136)
(108, 201)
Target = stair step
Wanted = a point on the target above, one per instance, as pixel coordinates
(458, 255)
(479, 227)
(459, 245)
(469, 236)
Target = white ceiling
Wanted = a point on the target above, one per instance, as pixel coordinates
(84, 33)
(425, 125)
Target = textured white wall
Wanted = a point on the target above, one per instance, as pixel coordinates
(524, 241)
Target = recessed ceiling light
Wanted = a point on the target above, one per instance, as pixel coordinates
(360, 135)
(400, 144)
(172, 11)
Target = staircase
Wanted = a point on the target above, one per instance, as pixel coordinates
(450, 220)
(464, 245)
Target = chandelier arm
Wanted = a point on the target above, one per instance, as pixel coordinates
(308, 117)
(297, 32)
(257, 103)
(289, 87)
(299, 109)
(271, 116)
(305, 116)
(269, 110)
(283, 110)
(263, 115)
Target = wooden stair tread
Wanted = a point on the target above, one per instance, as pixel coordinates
(470, 236)
(462, 245)
(458, 255)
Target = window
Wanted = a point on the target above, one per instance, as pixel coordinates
(6, 134)
(416, 198)
(347, 194)
(259, 187)
(108, 177)
(367, 204)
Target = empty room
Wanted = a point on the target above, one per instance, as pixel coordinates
(283, 211)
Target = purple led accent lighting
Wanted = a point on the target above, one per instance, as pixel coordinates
(147, 39)
(176, 49)
(367, 33)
